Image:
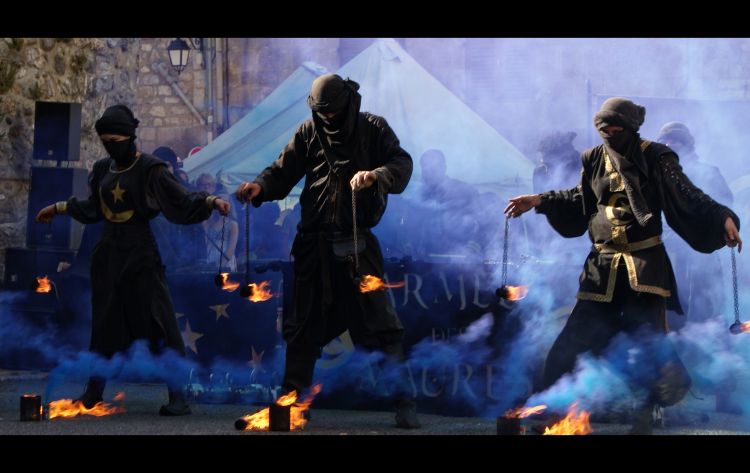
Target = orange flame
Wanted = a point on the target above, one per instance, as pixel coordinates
(119, 397)
(373, 283)
(745, 327)
(522, 412)
(228, 285)
(259, 292)
(68, 408)
(573, 424)
(43, 284)
(260, 420)
(516, 293)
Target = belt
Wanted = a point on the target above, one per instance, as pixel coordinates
(628, 247)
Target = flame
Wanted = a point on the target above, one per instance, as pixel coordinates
(522, 412)
(516, 293)
(43, 285)
(373, 283)
(260, 420)
(745, 327)
(69, 408)
(228, 285)
(259, 292)
(119, 397)
(573, 424)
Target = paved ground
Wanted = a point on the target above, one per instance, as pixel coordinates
(143, 400)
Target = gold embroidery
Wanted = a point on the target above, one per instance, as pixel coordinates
(616, 184)
(618, 209)
(625, 253)
(628, 247)
(633, 278)
(115, 217)
(619, 234)
(118, 192)
(606, 297)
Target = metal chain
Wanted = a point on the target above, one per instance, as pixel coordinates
(505, 254)
(221, 250)
(734, 288)
(354, 223)
(247, 243)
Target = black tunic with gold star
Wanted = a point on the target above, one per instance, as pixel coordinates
(600, 205)
(130, 298)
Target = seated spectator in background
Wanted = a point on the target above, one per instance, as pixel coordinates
(174, 164)
(560, 166)
(444, 211)
(266, 237)
(213, 231)
(180, 246)
(214, 227)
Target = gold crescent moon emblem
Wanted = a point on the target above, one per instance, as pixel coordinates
(624, 214)
(115, 217)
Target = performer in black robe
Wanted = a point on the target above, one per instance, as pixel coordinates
(337, 150)
(626, 183)
(130, 298)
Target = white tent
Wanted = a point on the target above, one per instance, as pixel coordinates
(423, 113)
(255, 141)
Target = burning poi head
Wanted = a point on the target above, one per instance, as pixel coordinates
(41, 285)
(739, 327)
(256, 292)
(512, 293)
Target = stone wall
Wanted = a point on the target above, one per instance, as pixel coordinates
(94, 72)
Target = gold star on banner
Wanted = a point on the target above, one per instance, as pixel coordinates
(189, 337)
(220, 309)
(254, 363)
(118, 192)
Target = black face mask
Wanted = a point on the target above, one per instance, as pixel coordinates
(123, 152)
(335, 123)
(618, 141)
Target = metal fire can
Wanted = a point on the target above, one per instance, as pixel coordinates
(510, 426)
(279, 418)
(31, 407)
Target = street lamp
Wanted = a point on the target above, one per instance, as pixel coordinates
(179, 52)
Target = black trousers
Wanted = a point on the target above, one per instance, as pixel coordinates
(593, 325)
(327, 302)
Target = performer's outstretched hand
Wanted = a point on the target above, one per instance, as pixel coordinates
(222, 206)
(46, 214)
(363, 179)
(247, 191)
(732, 235)
(522, 203)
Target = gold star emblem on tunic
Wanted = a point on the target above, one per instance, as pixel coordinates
(118, 192)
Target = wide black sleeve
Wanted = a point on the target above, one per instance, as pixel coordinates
(565, 209)
(278, 179)
(87, 210)
(165, 193)
(396, 166)
(695, 216)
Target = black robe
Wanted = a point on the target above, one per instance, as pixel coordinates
(130, 298)
(326, 302)
(599, 204)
